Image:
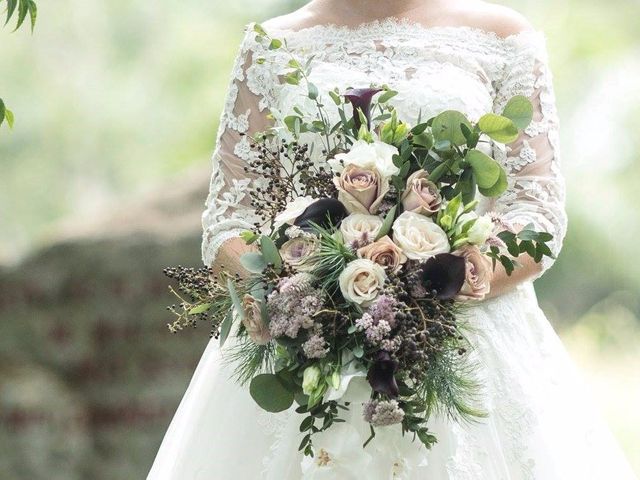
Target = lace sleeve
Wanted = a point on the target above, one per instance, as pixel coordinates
(536, 191)
(228, 210)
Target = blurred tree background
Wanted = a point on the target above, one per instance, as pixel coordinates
(113, 98)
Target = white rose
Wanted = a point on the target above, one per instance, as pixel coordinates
(293, 211)
(361, 281)
(480, 231)
(419, 237)
(360, 227)
(378, 155)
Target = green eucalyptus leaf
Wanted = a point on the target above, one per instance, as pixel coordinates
(235, 298)
(313, 91)
(253, 262)
(270, 394)
(499, 188)
(424, 140)
(225, 328)
(270, 252)
(499, 128)
(447, 127)
(386, 96)
(420, 128)
(438, 172)
(485, 169)
(519, 110)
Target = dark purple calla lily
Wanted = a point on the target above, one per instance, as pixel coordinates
(326, 212)
(381, 375)
(361, 98)
(444, 273)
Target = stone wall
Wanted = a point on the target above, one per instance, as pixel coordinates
(89, 374)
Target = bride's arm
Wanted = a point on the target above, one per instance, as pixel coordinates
(536, 191)
(228, 209)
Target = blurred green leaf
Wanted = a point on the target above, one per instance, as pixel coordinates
(499, 128)
(519, 110)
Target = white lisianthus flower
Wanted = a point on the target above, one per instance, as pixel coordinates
(293, 211)
(377, 155)
(360, 227)
(361, 281)
(338, 454)
(480, 232)
(419, 237)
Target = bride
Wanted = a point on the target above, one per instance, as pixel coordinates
(466, 55)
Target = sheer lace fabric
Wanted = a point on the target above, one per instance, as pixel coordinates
(540, 422)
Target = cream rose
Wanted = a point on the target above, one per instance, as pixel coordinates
(378, 155)
(252, 321)
(361, 281)
(385, 253)
(293, 211)
(422, 195)
(479, 273)
(361, 190)
(298, 251)
(360, 227)
(419, 237)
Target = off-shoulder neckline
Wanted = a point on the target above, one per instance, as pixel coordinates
(390, 25)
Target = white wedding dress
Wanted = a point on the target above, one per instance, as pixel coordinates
(541, 424)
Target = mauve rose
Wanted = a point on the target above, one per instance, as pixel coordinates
(478, 275)
(361, 190)
(252, 321)
(297, 252)
(385, 253)
(422, 195)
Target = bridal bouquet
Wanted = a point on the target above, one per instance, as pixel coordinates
(366, 253)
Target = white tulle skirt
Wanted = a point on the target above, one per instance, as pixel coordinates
(541, 424)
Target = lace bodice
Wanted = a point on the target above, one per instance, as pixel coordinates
(433, 69)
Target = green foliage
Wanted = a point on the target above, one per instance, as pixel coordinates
(21, 9)
(319, 419)
(519, 110)
(5, 114)
(528, 241)
(270, 393)
(249, 359)
(485, 169)
(498, 128)
(446, 128)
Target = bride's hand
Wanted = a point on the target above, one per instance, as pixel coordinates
(228, 257)
(502, 283)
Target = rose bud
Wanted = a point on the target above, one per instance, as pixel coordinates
(422, 195)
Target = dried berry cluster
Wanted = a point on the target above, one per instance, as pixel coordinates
(425, 326)
(196, 287)
(286, 171)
